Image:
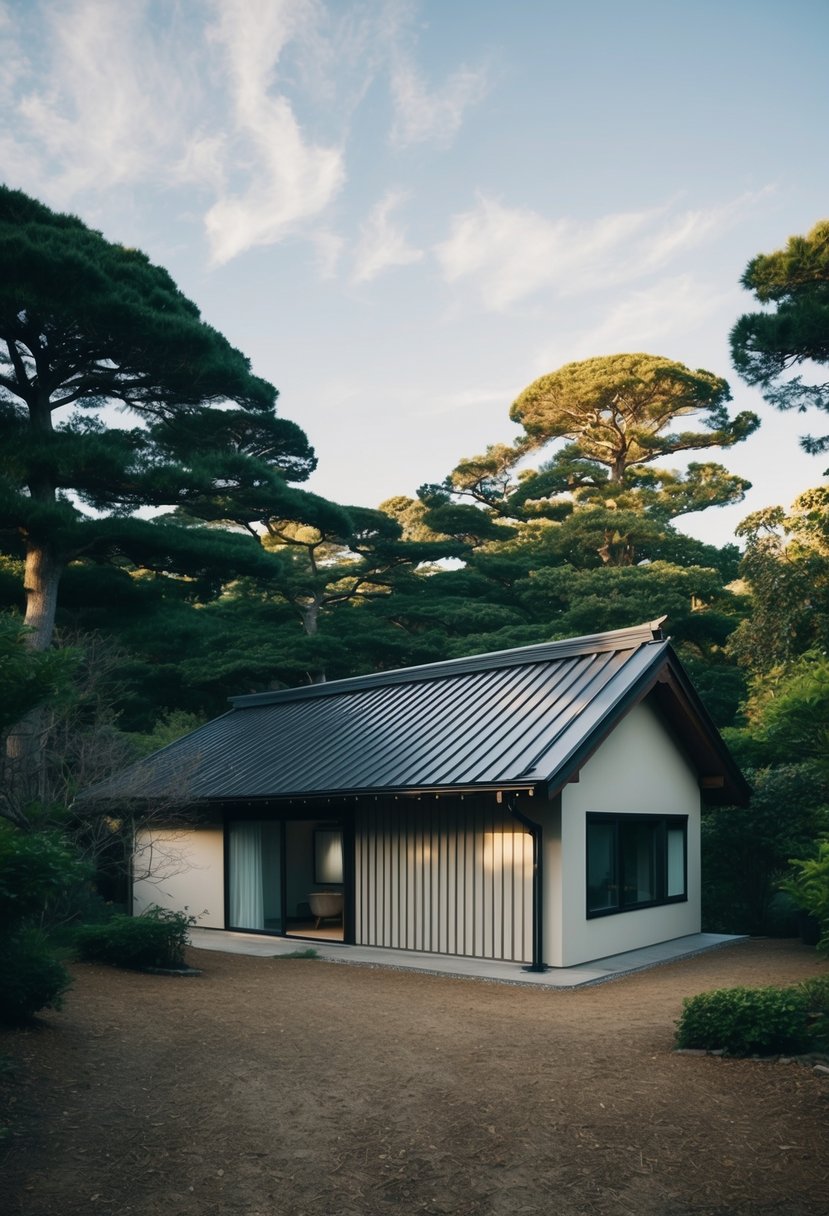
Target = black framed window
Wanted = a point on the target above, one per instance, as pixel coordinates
(635, 861)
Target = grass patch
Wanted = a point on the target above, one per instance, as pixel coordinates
(309, 953)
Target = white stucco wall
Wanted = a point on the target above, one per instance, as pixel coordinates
(637, 770)
(181, 869)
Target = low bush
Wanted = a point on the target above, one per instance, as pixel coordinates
(157, 938)
(747, 1021)
(31, 978)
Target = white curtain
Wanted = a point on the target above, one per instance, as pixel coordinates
(247, 905)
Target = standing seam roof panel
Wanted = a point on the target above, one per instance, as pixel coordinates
(596, 673)
(286, 770)
(491, 719)
(465, 705)
(527, 707)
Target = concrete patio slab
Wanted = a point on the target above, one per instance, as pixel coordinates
(595, 972)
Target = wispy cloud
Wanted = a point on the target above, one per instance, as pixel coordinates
(424, 115)
(383, 243)
(642, 319)
(509, 254)
(247, 103)
(290, 179)
(102, 120)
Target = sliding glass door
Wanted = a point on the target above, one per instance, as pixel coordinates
(286, 876)
(255, 875)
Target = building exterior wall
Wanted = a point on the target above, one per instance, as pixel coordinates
(638, 770)
(181, 869)
(443, 875)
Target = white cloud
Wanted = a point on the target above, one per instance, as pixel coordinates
(289, 180)
(134, 98)
(224, 99)
(509, 254)
(104, 117)
(421, 116)
(639, 319)
(382, 243)
(691, 229)
(204, 162)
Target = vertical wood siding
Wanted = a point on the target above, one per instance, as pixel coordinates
(443, 875)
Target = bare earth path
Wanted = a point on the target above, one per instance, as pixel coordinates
(315, 1089)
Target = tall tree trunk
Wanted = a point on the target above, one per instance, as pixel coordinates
(41, 581)
(23, 767)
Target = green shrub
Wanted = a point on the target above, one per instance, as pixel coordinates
(31, 978)
(38, 870)
(746, 1021)
(809, 888)
(157, 938)
(816, 991)
(35, 867)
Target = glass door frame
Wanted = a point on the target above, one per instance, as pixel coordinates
(332, 815)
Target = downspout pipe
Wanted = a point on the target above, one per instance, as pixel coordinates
(536, 832)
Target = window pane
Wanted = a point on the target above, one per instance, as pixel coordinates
(638, 848)
(602, 880)
(676, 862)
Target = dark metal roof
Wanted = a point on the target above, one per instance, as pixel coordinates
(510, 719)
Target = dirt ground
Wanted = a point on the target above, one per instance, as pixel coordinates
(305, 1088)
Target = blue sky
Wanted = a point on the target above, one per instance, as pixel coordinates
(403, 212)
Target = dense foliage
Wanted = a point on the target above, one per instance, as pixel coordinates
(809, 887)
(85, 323)
(36, 870)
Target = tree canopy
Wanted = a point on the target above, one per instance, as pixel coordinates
(602, 486)
(794, 333)
(86, 324)
(616, 410)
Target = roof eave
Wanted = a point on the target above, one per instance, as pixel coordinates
(721, 782)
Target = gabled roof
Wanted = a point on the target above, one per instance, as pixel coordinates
(507, 720)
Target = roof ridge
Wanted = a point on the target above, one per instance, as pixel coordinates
(629, 638)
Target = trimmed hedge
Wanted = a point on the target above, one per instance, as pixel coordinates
(156, 939)
(756, 1021)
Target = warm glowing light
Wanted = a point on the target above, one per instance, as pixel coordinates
(507, 851)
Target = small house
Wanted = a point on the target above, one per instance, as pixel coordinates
(538, 805)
